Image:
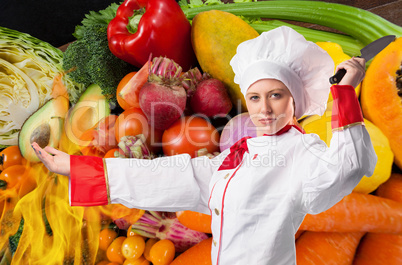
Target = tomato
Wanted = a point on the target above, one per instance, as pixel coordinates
(106, 237)
(113, 252)
(188, 135)
(11, 176)
(11, 156)
(27, 184)
(2, 202)
(133, 122)
(111, 152)
(10, 200)
(99, 139)
(162, 252)
(139, 261)
(148, 245)
(133, 247)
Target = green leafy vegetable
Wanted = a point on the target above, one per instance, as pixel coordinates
(198, 3)
(27, 69)
(89, 60)
(102, 17)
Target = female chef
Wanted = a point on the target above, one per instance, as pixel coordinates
(260, 189)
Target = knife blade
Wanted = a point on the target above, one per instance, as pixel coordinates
(367, 53)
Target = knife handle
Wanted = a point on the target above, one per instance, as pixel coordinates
(338, 76)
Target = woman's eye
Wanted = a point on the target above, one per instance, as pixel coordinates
(276, 95)
(253, 97)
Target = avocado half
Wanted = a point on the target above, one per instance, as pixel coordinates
(91, 107)
(44, 127)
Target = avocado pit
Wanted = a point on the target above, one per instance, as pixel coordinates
(41, 135)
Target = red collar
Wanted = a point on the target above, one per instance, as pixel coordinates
(237, 150)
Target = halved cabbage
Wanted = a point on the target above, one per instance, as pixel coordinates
(27, 69)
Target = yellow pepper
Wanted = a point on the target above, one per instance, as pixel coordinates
(322, 127)
(335, 51)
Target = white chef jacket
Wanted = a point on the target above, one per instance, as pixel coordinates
(257, 207)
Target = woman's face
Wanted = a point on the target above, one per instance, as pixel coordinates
(270, 105)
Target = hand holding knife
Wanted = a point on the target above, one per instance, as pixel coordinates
(367, 53)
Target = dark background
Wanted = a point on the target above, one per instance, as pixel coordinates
(54, 20)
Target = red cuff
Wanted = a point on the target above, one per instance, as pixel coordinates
(346, 110)
(88, 184)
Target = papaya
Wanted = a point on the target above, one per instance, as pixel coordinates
(338, 56)
(215, 36)
(382, 172)
(381, 95)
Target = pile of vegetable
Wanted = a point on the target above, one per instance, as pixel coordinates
(143, 81)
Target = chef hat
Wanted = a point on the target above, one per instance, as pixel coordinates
(285, 55)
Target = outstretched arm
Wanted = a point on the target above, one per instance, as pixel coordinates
(55, 160)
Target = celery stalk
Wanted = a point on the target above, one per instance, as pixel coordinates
(349, 45)
(363, 25)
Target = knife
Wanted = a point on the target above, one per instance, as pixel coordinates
(367, 53)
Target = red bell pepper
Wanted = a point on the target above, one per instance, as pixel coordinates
(163, 30)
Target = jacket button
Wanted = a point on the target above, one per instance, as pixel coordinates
(214, 242)
(227, 175)
(216, 211)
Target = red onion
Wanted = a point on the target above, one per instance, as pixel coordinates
(237, 128)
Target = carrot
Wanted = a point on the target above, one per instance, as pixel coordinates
(377, 248)
(199, 254)
(358, 212)
(195, 221)
(298, 233)
(392, 188)
(325, 248)
(59, 89)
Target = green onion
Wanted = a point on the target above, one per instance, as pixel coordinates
(349, 45)
(363, 25)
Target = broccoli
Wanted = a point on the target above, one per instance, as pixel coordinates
(15, 239)
(88, 61)
(48, 228)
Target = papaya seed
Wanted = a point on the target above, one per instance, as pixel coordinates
(41, 135)
(399, 80)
